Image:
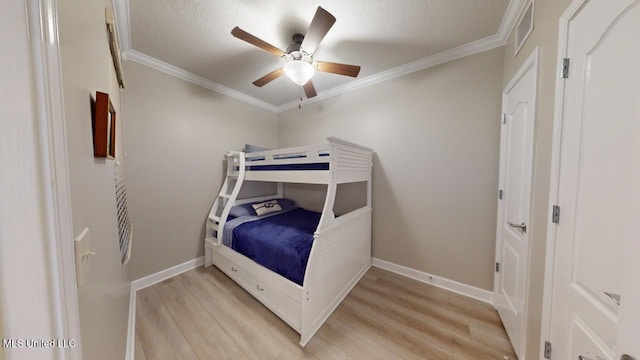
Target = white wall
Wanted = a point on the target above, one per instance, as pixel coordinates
(86, 68)
(25, 302)
(436, 137)
(176, 136)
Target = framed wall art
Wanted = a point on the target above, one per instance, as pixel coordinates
(104, 127)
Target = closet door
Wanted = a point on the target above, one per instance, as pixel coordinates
(516, 168)
(596, 278)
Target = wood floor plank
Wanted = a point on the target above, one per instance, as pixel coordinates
(441, 304)
(474, 309)
(465, 349)
(147, 300)
(411, 286)
(207, 337)
(237, 320)
(412, 307)
(353, 340)
(316, 349)
(398, 338)
(240, 355)
(405, 320)
(160, 336)
(489, 336)
(386, 316)
(139, 350)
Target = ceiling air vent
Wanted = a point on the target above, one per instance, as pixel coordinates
(524, 27)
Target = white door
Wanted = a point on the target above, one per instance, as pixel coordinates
(598, 186)
(512, 238)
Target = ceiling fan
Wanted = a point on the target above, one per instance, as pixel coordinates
(299, 64)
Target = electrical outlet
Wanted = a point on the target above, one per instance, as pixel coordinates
(83, 256)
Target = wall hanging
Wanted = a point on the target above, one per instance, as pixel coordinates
(104, 127)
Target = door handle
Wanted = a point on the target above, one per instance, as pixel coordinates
(522, 227)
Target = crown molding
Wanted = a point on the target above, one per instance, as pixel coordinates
(121, 9)
(123, 29)
(169, 69)
(471, 48)
(514, 9)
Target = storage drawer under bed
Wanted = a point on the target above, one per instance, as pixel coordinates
(268, 287)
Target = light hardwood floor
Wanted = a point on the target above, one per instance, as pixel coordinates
(202, 314)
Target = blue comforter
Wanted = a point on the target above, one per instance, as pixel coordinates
(280, 242)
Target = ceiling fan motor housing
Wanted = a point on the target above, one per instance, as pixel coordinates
(295, 46)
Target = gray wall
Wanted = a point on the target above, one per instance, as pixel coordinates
(545, 35)
(176, 136)
(436, 137)
(86, 68)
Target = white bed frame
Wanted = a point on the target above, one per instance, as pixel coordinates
(341, 251)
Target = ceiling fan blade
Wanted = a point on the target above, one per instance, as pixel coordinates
(336, 68)
(268, 78)
(320, 25)
(309, 90)
(243, 35)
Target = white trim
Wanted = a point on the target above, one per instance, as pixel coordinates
(131, 327)
(146, 282)
(443, 283)
(166, 274)
(169, 69)
(471, 48)
(554, 179)
(47, 75)
(529, 3)
(123, 24)
(121, 9)
(475, 47)
(514, 9)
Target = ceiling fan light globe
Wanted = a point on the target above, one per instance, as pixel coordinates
(300, 72)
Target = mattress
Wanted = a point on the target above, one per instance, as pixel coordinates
(286, 166)
(280, 242)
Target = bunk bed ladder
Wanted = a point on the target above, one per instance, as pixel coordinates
(226, 197)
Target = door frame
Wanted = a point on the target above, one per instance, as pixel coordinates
(47, 74)
(531, 63)
(554, 181)
(58, 258)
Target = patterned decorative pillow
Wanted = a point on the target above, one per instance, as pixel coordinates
(266, 207)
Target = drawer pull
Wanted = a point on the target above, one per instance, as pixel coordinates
(234, 269)
(259, 288)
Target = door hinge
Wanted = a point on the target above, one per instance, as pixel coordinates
(547, 350)
(564, 74)
(500, 194)
(555, 214)
(504, 118)
(497, 267)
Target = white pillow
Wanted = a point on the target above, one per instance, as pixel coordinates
(266, 207)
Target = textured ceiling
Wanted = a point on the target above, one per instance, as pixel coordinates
(378, 35)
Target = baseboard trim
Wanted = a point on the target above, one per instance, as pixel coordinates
(166, 274)
(131, 331)
(444, 283)
(146, 282)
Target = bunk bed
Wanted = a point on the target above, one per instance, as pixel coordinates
(335, 251)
